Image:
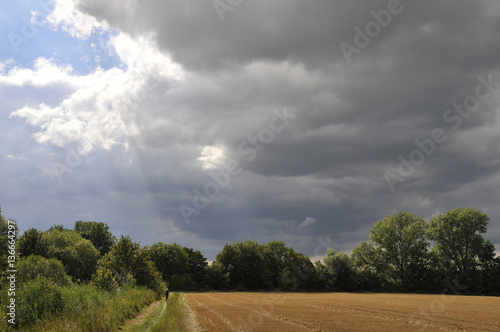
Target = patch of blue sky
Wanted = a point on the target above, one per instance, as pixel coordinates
(24, 41)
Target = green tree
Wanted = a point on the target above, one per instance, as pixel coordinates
(372, 268)
(341, 270)
(183, 268)
(127, 263)
(58, 227)
(217, 277)
(275, 254)
(98, 233)
(32, 242)
(401, 239)
(489, 267)
(170, 259)
(244, 262)
(459, 243)
(78, 255)
(325, 278)
(146, 273)
(302, 273)
(198, 266)
(249, 265)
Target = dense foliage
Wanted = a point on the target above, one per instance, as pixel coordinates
(98, 233)
(404, 253)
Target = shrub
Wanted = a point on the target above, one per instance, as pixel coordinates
(35, 266)
(104, 279)
(38, 298)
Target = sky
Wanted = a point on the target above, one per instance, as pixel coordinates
(211, 122)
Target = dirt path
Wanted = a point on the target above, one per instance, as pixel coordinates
(148, 317)
(174, 315)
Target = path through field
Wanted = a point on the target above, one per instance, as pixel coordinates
(148, 317)
(344, 312)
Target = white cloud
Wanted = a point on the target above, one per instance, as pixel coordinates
(70, 19)
(307, 222)
(44, 73)
(95, 114)
(5, 64)
(212, 157)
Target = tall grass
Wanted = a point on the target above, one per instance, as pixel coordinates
(44, 306)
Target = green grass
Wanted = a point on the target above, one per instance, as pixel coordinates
(84, 308)
(148, 322)
(175, 317)
(171, 315)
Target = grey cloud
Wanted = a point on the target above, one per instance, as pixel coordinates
(352, 120)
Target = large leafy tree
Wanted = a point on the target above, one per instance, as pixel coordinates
(98, 233)
(489, 266)
(299, 272)
(460, 244)
(126, 260)
(401, 239)
(183, 268)
(170, 259)
(244, 262)
(122, 257)
(198, 265)
(273, 265)
(372, 268)
(341, 270)
(78, 255)
(217, 277)
(274, 254)
(33, 242)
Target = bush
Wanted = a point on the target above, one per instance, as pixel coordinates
(104, 279)
(78, 255)
(38, 298)
(32, 242)
(34, 267)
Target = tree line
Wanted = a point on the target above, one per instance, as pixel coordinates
(404, 253)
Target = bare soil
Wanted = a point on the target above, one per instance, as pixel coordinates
(344, 312)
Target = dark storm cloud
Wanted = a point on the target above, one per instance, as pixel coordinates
(352, 119)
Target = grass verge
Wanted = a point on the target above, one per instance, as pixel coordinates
(146, 319)
(82, 308)
(176, 317)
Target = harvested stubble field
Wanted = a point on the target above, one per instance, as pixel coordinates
(344, 312)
